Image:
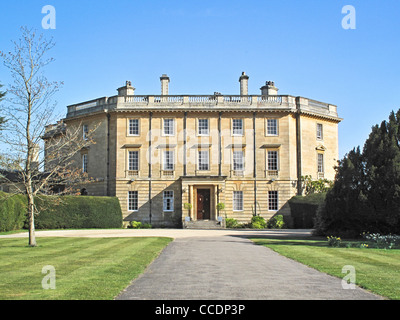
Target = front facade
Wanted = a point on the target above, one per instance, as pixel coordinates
(171, 159)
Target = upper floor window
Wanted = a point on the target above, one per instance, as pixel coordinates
(168, 163)
(237, 127)
(204, 160)
(320, 131)
(133, 161)
(133, 127)
(272, 127)
(272, 160)
(169, 127)
(238, 160)
(85, 131)
(85, 163)
(203, 127)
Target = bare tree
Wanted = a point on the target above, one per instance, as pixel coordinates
(29, 111)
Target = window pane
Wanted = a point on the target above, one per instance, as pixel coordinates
(169, 127)
(203, 160)
(319, 131)
(272, 160)
(237, 126)
(238, 160)
(133, 200)
(203, 126)
(84, 162)
(320, 162)
(168, 160)
(272, 127)
(134, 126)
(237, 200)
(133, 160)
(168, 201)
(85, 129)
(273, 200)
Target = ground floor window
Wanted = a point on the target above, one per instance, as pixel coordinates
(237, 200)
(273, 200)
(132, 200)
(168, 202)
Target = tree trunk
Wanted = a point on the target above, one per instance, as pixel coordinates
(31, 215)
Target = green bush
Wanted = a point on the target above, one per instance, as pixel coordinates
(304, 209)
(231, 223)
(78, 212)
(258, 222)
(12, 211)
(276, 222)
(139, 225)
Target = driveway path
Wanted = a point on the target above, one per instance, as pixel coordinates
(222, 264)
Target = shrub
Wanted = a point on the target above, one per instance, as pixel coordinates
(383, 241)
(276, 222)
(12, 211)
(304, 209)
(258, 222)
(231, 223)
(334, 241)
(139, 225)
(77, 212)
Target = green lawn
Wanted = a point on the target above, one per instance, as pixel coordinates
(377, 270)
(86, 268)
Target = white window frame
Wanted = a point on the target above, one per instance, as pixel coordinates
(276, 126)
(203, 155)
(234, 127)
(133, 201)
(201, 127)
(235, 164)
(171, 127)
(130, 127)
(85, 163)
(85, 131)
(131, 162)
(273, 200)
(270, 159)
(168, 200)
(237, 201)
(320, 163)
(171, 154)
(320, 131)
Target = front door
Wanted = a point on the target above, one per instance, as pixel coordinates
(203, 204)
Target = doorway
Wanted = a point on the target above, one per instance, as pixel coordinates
(203, 204)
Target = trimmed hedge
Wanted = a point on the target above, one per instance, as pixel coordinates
(304, 209)
(12, 211)
(78, 212)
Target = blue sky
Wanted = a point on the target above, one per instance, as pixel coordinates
(205, 45)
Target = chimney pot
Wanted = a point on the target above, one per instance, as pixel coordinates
(164, 84)
(244, 87)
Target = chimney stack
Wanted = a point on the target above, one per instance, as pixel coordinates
(244, 88)
(164, 84)
(269, 89)
(128, 90)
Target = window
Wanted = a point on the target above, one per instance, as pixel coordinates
(272, 127)
(238, 160)
(168, 163)
(237, 200)
(133, 200)
(85, 131)
(320, 163)
(169, 127)
(272, 160)
(133, 161)
(84, 163)
(320, 133)
(273, 200)
(133, 127)
(203, 127)
(237, 127)
(203, 160)
(168, 202)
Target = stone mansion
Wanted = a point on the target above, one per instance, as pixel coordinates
(171, 159)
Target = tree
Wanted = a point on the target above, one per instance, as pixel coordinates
(2, 95)
(29, 111)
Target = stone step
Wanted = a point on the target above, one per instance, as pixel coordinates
(203, 224)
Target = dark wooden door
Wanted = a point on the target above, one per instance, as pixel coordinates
(203, 204)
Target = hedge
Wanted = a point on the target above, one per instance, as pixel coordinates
(78, 212)
(304, 209)
(12, 211)
(66, 212)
